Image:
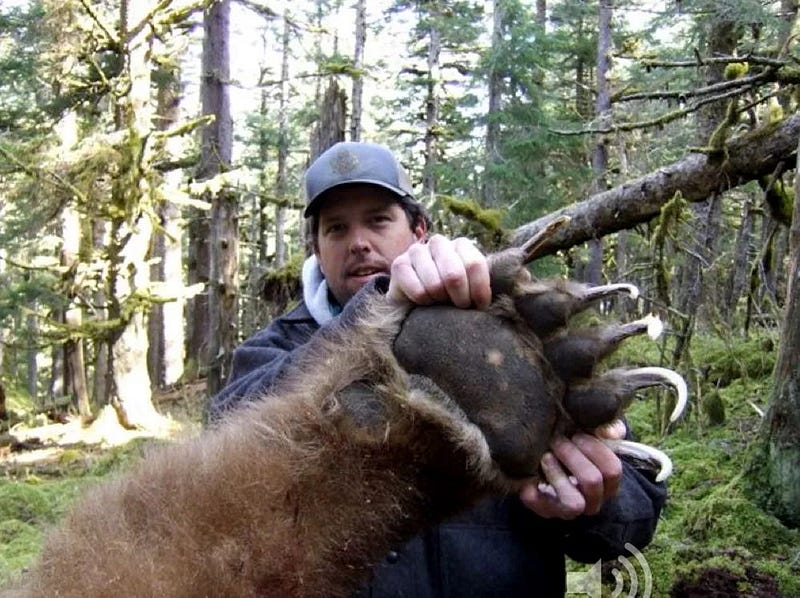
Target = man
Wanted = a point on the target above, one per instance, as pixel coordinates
(365, 222)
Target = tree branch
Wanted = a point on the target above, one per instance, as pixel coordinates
(696, 177)
(746, 83)
(654, 122)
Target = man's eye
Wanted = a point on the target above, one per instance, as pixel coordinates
(332, 229)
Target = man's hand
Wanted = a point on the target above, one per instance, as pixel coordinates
(580, 473)
(441, 271)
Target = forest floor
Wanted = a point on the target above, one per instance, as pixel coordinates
(714, 539)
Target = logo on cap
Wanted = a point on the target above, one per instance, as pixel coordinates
(344, 162)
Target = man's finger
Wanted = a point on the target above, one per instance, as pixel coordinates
(477, 271)
(570, 499)
(404, 284)
(604, 459)
(589, 477)
(450, 270)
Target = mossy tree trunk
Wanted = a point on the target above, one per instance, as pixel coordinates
(131, 230)
(165, 328)
(781, 431)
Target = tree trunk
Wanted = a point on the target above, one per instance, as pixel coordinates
(165, 327)
(281, 182)
(742, 255)
(781, 430)
(492, 147)
(583, 101)
(131, 232)
(73, 316)
(330, 128)
(624, 309)
(705, 219)
(223, 291)
(32, 368)
(432, 115)
(358, 68)
(602, 110)
(70, 221)
(541, 12)
(705, 224)
(749, 157)
(101, 384)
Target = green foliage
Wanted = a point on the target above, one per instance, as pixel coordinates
(22, 99)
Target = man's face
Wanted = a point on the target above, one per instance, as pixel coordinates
(362, 229)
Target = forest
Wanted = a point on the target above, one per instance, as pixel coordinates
(151, 162)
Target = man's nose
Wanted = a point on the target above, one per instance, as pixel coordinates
(359, 241)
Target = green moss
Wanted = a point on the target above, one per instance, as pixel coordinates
(728, 518)
(31, 504)
(20, 543)
(735, 70)
(484, 223)
(725, 360)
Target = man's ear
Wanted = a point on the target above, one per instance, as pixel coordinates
(420, 230)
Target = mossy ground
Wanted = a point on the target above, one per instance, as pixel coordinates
(713, 540)
(34, 498)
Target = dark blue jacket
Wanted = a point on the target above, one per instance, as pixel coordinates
(499, 548)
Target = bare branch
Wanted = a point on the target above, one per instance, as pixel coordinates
(746, 83)
(113, 39)
(654, 122)
(696, 177)
(750, 59)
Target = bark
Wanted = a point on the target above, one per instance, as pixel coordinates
(742, 254)
(281, 183)
(101, 383)
(492, 147)
(73, 316)
(602, 110)
(541, 12)
(197, 272)
(32, 369)
(223, 289)
(358, 70)
(749, 157)
(723, 37)
(165, 326)
(432, 115)
(252, 307)
(130, 237)
(620, 269)
(583, 101)
(782, 425)
(331, 126)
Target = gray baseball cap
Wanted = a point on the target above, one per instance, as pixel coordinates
(351, 162)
